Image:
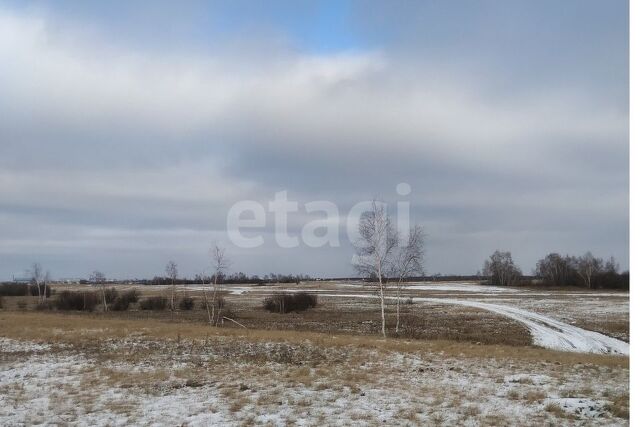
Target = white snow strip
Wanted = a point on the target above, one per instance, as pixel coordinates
(546, 331)
(463, 287)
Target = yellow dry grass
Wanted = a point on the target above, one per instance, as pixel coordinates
(76, 329)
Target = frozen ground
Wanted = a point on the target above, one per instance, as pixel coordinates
(144, 375)
(569, 320)
(459, 287)
(543, 313)
(233, 381)
(548, 332)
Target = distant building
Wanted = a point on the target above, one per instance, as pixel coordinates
(24, 280)
(69, 280)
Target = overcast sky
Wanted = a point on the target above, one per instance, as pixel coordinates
(128, 130)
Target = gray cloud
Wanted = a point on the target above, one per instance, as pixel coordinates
(120, 158)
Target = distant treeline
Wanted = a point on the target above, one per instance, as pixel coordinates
(242, 278)
(552, 270)
(600, 280)
(585, 271)
(230, 279)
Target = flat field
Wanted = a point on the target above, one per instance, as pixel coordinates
(465, 354)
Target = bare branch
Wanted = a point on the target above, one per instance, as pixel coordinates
(408, 261)
(172, 273)
(378, 239)
(501, 268)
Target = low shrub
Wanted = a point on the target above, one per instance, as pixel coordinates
(22, 305)
(81, 301)
(122, 302)
(110, 295)
(154, 303)
(1, 301)
(43, 288)
(21, 289)
(288, 302)
(132, 296)
(14, 289)
(186, 304)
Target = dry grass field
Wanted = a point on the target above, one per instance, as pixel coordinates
(450, 365)
(336, 315)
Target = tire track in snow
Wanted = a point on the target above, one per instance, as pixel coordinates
(546, 331)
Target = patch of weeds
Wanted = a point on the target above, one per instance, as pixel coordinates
(619, 407)
(534, 396)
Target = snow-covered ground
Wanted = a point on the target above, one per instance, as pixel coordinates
(234, 382)
(140, 380)
(459, 287)
(573, 307)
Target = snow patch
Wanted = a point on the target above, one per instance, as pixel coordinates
(583, 407)
(8, 345)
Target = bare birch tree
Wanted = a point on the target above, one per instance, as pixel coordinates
(555, 269)
(172, 273)
(99, 278)
(45, 285)
(220, 265)
(501, 269)
(378, 239)
(205, 295)
(408, 262)
(587, 266)
(611, 266)
(40, 279)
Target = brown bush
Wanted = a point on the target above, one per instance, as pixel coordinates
(122, 302)
(81, 301)
(154, 303)
(286, 303)
(20, 289)
(186, 304)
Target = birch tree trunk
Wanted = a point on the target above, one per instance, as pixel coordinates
(384, 325)
(205, 298)
(104, 297)
(398, 308)
(173, 296)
